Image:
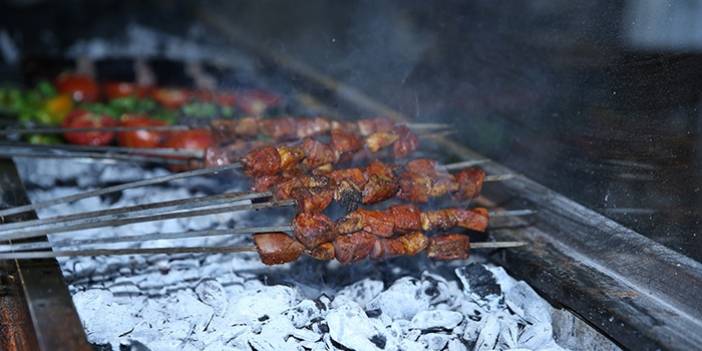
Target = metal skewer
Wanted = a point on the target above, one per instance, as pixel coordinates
(91, 223)
(161, 151)
(116, 188)
(143, 209)
(192, 249)
(59, 130)
(89, 155)
(143, 237)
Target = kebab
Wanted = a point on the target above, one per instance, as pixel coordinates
(364, 233)
(420, 180)
(263, 161)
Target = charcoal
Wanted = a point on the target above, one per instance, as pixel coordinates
(456, 345)
(232, 302)
(478, 280)
(434, 342)
(357, 337)
(211, 293)
(436, 320)
(303, 313)
(362, 291)
(487, 340)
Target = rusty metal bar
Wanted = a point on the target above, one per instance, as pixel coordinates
(36, 310)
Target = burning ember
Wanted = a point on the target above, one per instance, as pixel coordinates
(234, 302)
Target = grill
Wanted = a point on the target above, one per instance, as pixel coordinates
(597, 282)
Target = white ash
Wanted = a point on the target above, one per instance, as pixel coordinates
(233, 302)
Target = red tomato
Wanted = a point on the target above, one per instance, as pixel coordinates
(84, 119)
(140, 138)
(170, 97)
(196, 139)
(256, 102)
(115, 90)
(80, 87)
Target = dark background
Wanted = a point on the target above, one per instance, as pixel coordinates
(595, 99)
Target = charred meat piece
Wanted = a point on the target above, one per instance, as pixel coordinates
(381, 185)
(380, 140)
(313, 229)
(277, 248)
(354, 175)
(379, 223)
(317, 153)
(283, 128)
(422, 166)
(290, 157)
(449, 247)
(379, 189)
(368, 126)
(307, 127)
(262, 161)
(405, 245)
(406, 143)
(285, 188)
(312, 200)
(470, 183)
(266, 183)
(473, 219)
(415, 187)
(353, 247)
(345, 143)
(324, 252)
(406, 218)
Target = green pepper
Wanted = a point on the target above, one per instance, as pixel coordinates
(44, 139)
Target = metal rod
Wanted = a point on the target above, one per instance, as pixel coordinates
(160, 151)
(142, 209)
(92, 223)
(142, 237)
(27, 255)
(463, 164)
(513, 213)
(192, 249)
(116, 188)
(59, 130)
(499, 177)
(497, 244)
(89, 155)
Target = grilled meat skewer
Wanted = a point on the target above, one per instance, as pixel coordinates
(278, 247)
(270, 248)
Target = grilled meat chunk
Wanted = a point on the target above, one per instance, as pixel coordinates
(313, 200)
(277, 248)
(473, 219)
(324, 252)
(406, 218)
(266, 183)
(307, 127)
(353, 247)
(406, 142)
(313, 229)
(368, 126)
(470, 183)
(345, 143)
(449, 247)
(262, 161)
(380, 140)
(378, 223)
(317, 153)
(381, 184)
(409, 244)
(283, 128)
